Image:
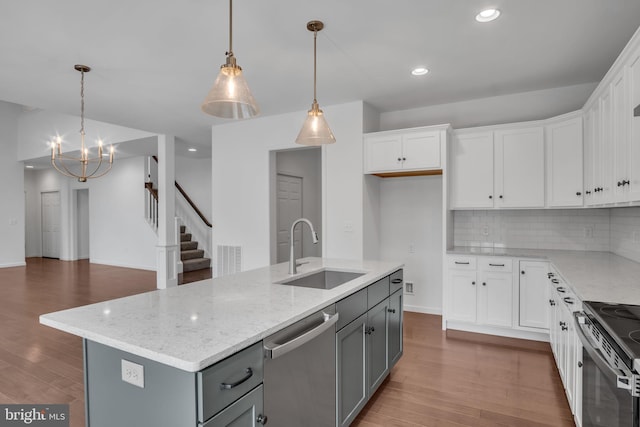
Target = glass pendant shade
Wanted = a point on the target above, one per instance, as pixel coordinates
(315, 130)
(230, 97)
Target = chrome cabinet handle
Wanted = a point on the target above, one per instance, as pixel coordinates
(550, 275)
(556, 281)
(561, 289)
(462, 263)
(262, 419)
(568, 300)
(225, 386)
(496, 265)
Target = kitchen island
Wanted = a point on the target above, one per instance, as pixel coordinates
(177, 333)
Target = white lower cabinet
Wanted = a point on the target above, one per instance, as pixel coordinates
(564, 341)
(534, 305)
(482, 294)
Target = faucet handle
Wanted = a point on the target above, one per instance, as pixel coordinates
(315, 237)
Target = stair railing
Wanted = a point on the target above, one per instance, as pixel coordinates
(151, 205)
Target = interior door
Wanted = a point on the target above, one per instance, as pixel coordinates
(289, 208)
(50, 224)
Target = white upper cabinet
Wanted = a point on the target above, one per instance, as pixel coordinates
(519, 167)
(407, 150)
(620, 135)
(472, 166)
(502, 168)
(564, 163)
(606, 150)
(632, 181)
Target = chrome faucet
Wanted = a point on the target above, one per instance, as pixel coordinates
(292, 254)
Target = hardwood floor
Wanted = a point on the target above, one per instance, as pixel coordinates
(444, 381)
(440, 381)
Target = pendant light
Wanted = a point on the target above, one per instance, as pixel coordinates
(315, 130)
(63, 162)
(230, 97)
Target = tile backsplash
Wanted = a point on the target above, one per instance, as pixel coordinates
(625, 232)
(616, 229)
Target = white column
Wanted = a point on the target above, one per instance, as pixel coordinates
(168, 249)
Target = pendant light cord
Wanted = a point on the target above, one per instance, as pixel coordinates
(230, 53)
(82, 103)
(315, 37)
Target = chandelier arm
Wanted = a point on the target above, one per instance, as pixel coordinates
(65, 171)
(95, 170)
(101, 174)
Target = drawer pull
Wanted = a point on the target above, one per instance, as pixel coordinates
(462, 263)
(396, 281)
(555, 281)
(496, 265)
(568, 300)
(561, 290)
(225, 386)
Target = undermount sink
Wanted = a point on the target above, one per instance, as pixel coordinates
(326, 279)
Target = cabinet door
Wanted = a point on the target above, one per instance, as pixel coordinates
(606, 150)
(472, 171)
(245, 412)
(534, 296)
(421, 150)
(570, 357)
(519, 168)
(564, 163)
(383, 152)
(395, 327)
(462, 296)
(589, 147)
(495, 299)
(596, 135)
(377, 358)
(351, 370)
(620, 142)
(633, 176)
(553, 319)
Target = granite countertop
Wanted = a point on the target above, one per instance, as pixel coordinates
(594, 276)
(196, 325)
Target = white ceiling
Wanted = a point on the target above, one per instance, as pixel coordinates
(154, 61)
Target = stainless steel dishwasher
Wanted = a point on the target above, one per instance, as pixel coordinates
(300, 372)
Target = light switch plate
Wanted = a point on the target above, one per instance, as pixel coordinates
(133, 373)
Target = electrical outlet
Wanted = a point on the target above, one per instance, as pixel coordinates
(412, 249)
(348, 227)
(588, 232)
(485, 230)
(133, 373)
(408, 287)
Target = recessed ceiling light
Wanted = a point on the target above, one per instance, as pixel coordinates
(419, 71)
(192, 149)
(29, 166)
(488, 15)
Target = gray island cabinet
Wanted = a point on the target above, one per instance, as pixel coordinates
(194, 355)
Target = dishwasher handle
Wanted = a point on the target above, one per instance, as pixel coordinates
(279, 350)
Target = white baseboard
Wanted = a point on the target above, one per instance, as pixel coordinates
(13, 264)
(117, 264)
(424, 310)
(502, 332)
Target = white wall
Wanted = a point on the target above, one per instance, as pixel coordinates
(118, 232)
(535, 105)
(625, 232)
(37, 128)
(411, 232)
(307, 164)
(241, 165)
(12, 214)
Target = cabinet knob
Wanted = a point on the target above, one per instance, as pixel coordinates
(404, 159)
(620, 184)
(522, 272)
(491, 197)
(501, 196)
(578, 193)
(399, 159)
(473, 283)
(579, 364)
(484, 283)
(552, 302)
(587, 192)
(262, 419)
(391, 310)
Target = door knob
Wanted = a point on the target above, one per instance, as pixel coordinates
(262, 419)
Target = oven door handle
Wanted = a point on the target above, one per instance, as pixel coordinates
(624, 378)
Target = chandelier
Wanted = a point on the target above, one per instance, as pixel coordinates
(83, 167)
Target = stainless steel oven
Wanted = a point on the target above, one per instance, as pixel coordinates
(610, 385)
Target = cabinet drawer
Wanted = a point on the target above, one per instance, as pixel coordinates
(351, 307)
(377, 292)
(243, 412)
(462, 262)
(228, 380)
(496, 264)
(395, 280)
